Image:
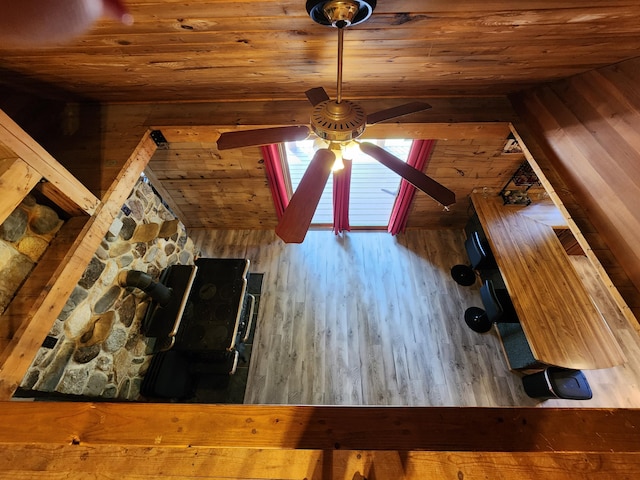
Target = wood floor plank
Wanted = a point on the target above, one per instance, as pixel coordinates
(370, 319)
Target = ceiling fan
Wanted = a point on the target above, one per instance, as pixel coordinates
(338, 122)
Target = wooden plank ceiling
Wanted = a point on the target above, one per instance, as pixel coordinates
(252, 59)
(272, 50)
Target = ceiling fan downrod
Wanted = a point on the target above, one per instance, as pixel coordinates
(339, 80)
(341, 14)
(339, 120)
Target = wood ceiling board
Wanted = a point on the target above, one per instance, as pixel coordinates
(268, 50)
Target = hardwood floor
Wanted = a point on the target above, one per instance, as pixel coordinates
(371, 319)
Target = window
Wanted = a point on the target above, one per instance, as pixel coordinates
(373, 186)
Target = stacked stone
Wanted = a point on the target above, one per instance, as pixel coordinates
(24, 237)
(99, 348)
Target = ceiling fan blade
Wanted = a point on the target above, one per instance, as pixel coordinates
(317, 95)
(262, 136)
(395, 112)
(295, 222)
(415, 177)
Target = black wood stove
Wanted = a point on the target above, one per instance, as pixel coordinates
(201, 329)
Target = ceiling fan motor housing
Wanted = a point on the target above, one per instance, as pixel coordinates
(338, 122)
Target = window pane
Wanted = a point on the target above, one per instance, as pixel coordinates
(373, 186)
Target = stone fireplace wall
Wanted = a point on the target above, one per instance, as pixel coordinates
(24, 237)
(96, 347)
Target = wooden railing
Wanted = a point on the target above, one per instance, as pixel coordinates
(149, 441)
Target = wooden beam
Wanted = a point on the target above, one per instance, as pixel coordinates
(138, 463)
(70, 194)
(433, 131)
(321, 427)
(41, 299)
(17, 178)
(297, 112)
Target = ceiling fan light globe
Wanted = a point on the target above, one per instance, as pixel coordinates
(336, 148)
(319, 143)
(350, 150)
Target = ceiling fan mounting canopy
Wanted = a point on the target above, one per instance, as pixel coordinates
(340, 13)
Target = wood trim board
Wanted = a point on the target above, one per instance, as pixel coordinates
(320, 427)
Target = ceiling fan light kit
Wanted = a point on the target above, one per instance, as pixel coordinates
(339, 123)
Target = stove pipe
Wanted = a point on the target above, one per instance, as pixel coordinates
(157, 291)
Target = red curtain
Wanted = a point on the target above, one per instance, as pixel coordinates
(341, 189)
(275, 177)
(418, 158)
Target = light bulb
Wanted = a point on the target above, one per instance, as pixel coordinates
(350, 150)
(336, 148)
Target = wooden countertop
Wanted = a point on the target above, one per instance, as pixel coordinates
(558, 317)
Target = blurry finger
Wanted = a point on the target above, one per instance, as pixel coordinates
(118, 10)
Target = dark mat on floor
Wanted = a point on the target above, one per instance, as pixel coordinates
(231, 388)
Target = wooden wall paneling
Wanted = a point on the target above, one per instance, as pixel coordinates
(569, 242)
(121, 130)
(211, 188)
(94, 141)
(204, 161)
(600, 175)
(617, 105)
(466, 132)
(17, 178)
(621, 81)
(614, 135)
(189, 135)
(196, 176)
(72, 134)
(462, 165)
(606, 103)
(543, 157)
